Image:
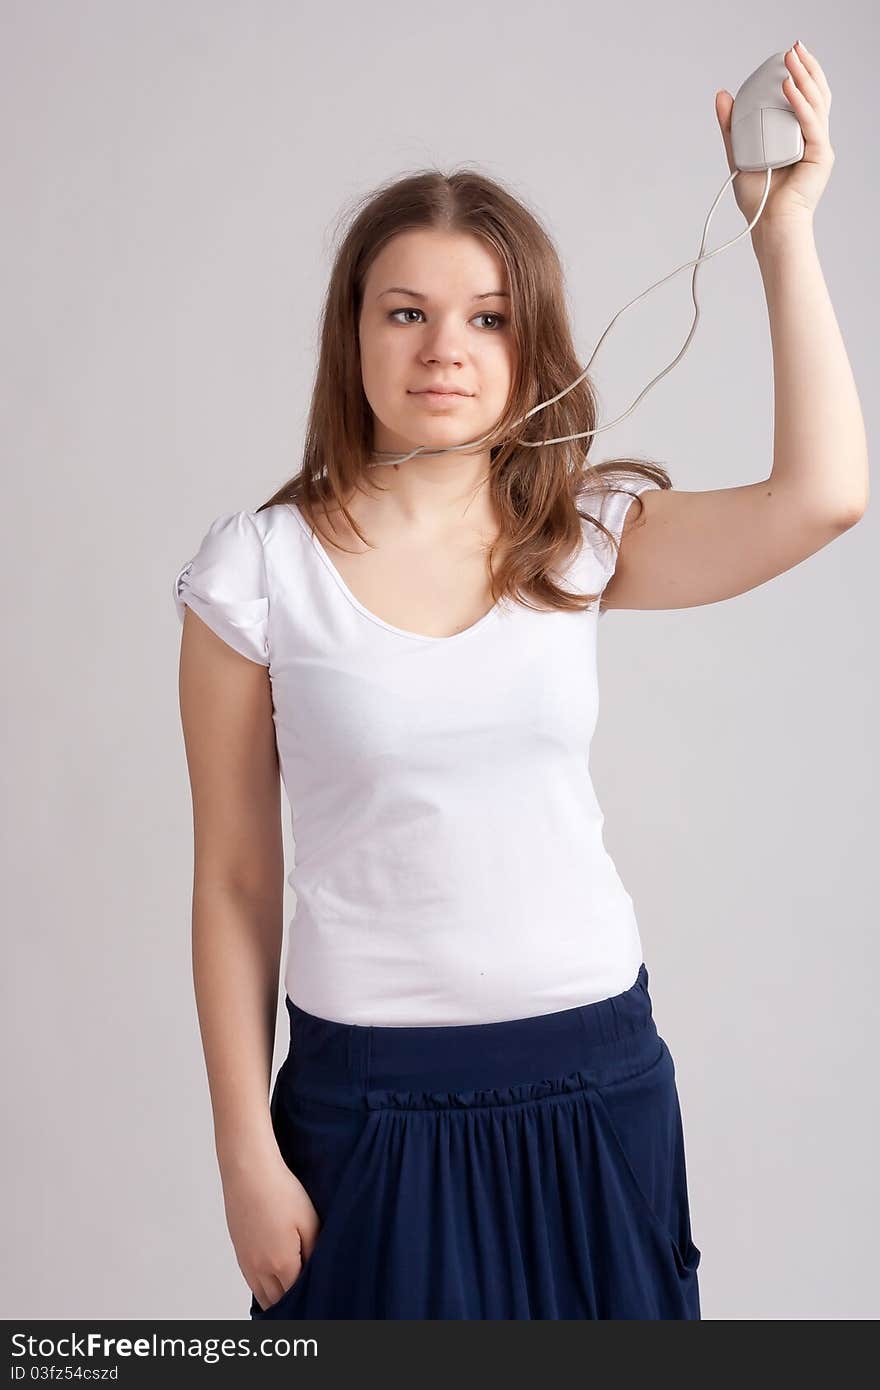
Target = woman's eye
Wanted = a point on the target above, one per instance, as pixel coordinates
(500, 319)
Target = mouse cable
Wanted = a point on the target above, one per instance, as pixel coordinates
(707, 256)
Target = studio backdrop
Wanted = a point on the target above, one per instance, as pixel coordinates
(175, 178)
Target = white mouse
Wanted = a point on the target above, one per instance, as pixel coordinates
(765, 132)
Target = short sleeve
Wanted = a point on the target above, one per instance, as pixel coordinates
(225, 584)
(611, 509)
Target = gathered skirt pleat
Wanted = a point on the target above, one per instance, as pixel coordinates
(531, 1168)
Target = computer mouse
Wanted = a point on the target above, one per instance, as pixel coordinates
(765, 133)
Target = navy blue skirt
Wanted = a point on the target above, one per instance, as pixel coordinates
(530, 1168)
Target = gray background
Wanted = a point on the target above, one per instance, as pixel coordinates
(173, 174)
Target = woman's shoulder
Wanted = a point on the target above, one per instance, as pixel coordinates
(225, 581)
(609, 502)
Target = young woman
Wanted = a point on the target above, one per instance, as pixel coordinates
(477, 1117)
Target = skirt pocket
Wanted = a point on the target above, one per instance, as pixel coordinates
(325, 1146)
(642, 1118)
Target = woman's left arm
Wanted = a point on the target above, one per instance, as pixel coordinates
(688, 548)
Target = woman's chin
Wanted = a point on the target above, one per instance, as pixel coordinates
(438, 435)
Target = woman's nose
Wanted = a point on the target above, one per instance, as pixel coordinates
(444, 343)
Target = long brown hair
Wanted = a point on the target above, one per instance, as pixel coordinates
(535, 490)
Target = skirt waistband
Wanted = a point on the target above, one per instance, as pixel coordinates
(471, 1064)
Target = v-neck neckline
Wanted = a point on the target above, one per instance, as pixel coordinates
(367, 612)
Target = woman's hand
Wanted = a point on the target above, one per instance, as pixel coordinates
(273, 1225)
(795, 190)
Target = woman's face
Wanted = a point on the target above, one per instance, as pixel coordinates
(435, 312)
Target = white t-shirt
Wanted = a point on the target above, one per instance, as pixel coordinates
(449, 857)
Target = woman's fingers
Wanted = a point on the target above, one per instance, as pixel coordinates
(812, 67)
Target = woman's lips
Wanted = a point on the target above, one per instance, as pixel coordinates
(439, 397)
